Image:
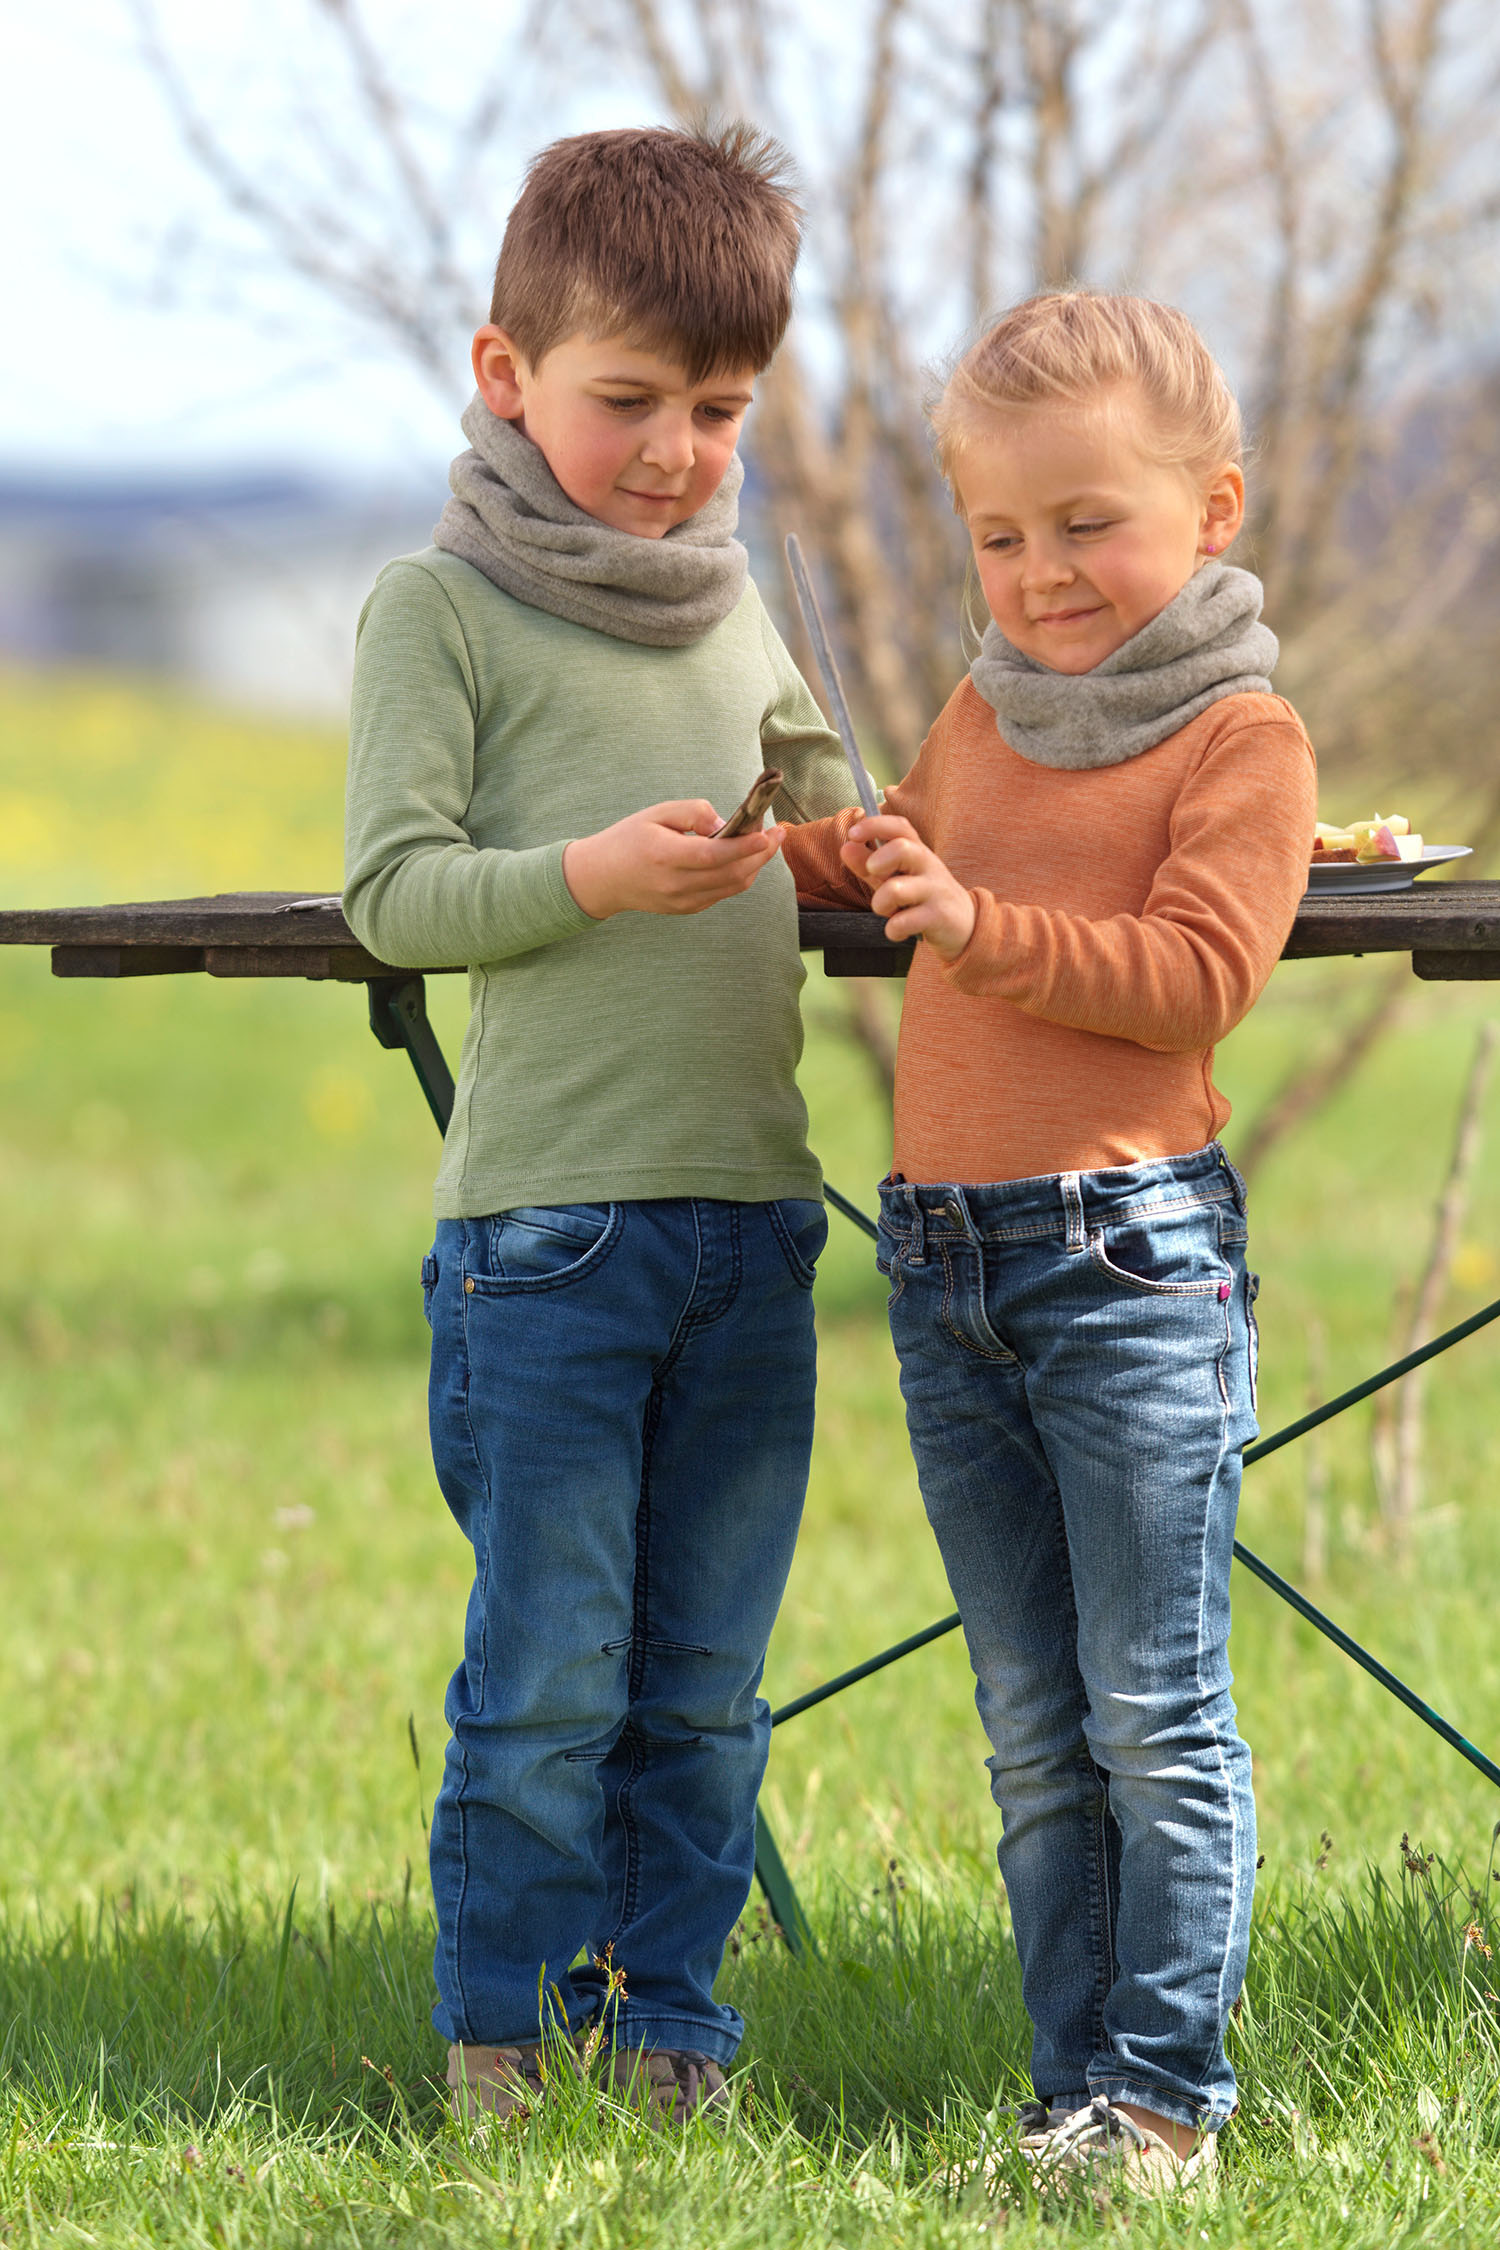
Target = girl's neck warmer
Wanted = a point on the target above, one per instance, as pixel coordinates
(511, 519)
(1207, 643)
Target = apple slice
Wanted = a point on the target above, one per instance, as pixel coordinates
(1409, 847)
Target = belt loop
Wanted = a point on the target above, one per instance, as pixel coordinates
(1072, 1197)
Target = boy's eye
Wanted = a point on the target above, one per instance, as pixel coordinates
(626, 405)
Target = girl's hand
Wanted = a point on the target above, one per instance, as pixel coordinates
(913, 889)
(665, 860)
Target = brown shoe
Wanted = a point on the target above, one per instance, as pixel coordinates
(501, 2082)
(667, 2084)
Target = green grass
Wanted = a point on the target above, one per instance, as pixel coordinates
(232, 1596)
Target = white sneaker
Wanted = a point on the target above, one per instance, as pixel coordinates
(1101, 2148)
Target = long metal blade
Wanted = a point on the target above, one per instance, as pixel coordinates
(817, 633)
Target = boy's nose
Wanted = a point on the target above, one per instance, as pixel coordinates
(669, 446)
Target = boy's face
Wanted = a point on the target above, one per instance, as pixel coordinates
(1080, 537)
(626, 435)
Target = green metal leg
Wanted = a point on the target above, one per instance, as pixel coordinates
(398, 1018)
(774, 1880)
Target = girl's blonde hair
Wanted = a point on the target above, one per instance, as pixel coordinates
(1070, 345)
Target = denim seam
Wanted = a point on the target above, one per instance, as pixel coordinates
(630, 1889)
(1041, 1230)
(801, 1272)
(461, 1796)
(1100, 1917)
(1208, 2118)
(998, 1358)
(1224, 1779)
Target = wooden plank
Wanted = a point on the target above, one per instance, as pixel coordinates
(855, 961)
(341, 964)
(125, 960)
(1436, 918)
(1452, 968)
(234, 918)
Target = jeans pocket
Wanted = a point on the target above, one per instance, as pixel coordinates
(537, 1246)
(1252, 1327)
(801, 1228)
(1172, 1251)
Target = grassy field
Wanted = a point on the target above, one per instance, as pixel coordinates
(232, 1597)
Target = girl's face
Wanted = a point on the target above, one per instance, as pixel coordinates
(1080, 537)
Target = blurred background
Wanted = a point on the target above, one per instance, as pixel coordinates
(245, 249)
(248, 245)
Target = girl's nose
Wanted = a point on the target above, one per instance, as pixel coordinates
(1044, 567)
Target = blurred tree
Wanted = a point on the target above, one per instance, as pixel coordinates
(1316, 181)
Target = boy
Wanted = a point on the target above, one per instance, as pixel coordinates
(628, 1213)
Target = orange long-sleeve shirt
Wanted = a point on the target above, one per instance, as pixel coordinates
(1127, 918)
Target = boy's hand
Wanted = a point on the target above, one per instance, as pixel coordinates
(664, 860)
(914, 891)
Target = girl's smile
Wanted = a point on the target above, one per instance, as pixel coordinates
(1080, 537)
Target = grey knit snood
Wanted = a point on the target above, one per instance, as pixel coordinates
(1207, 643)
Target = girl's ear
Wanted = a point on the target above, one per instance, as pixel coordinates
(498, 372)
(1223, 510)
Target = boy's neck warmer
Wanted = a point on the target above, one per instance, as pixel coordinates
(1207, 643)
(511, 519)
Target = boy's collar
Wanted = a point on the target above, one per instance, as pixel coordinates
(510, 518)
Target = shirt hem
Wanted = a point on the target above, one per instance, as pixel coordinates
(476, 1199)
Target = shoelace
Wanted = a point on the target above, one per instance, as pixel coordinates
(1101, 2117)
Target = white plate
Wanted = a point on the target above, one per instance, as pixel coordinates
(1352, 875)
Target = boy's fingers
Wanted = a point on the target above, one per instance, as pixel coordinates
(689, 816)
(697, 850)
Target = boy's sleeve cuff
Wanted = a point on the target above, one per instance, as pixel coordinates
(557, 903)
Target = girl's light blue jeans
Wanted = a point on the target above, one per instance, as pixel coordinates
(1078, 1363)
(621, 1406)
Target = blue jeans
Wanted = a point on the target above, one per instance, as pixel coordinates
(1078, 1363)
(621, 1406)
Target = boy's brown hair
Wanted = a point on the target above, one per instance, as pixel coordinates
(685, 242)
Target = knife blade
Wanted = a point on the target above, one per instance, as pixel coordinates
(817, 633)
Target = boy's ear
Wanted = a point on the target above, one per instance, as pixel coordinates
(1223, 510)
(498, 368)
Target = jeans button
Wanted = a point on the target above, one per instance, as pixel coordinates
(949, 1216)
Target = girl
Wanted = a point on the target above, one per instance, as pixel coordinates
(1101, 845)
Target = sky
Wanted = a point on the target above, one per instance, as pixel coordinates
(134, 343)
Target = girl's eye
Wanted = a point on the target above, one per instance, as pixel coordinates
(1091, 523)
(1001, 543)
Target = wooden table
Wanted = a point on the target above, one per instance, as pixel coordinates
(1451, 930)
